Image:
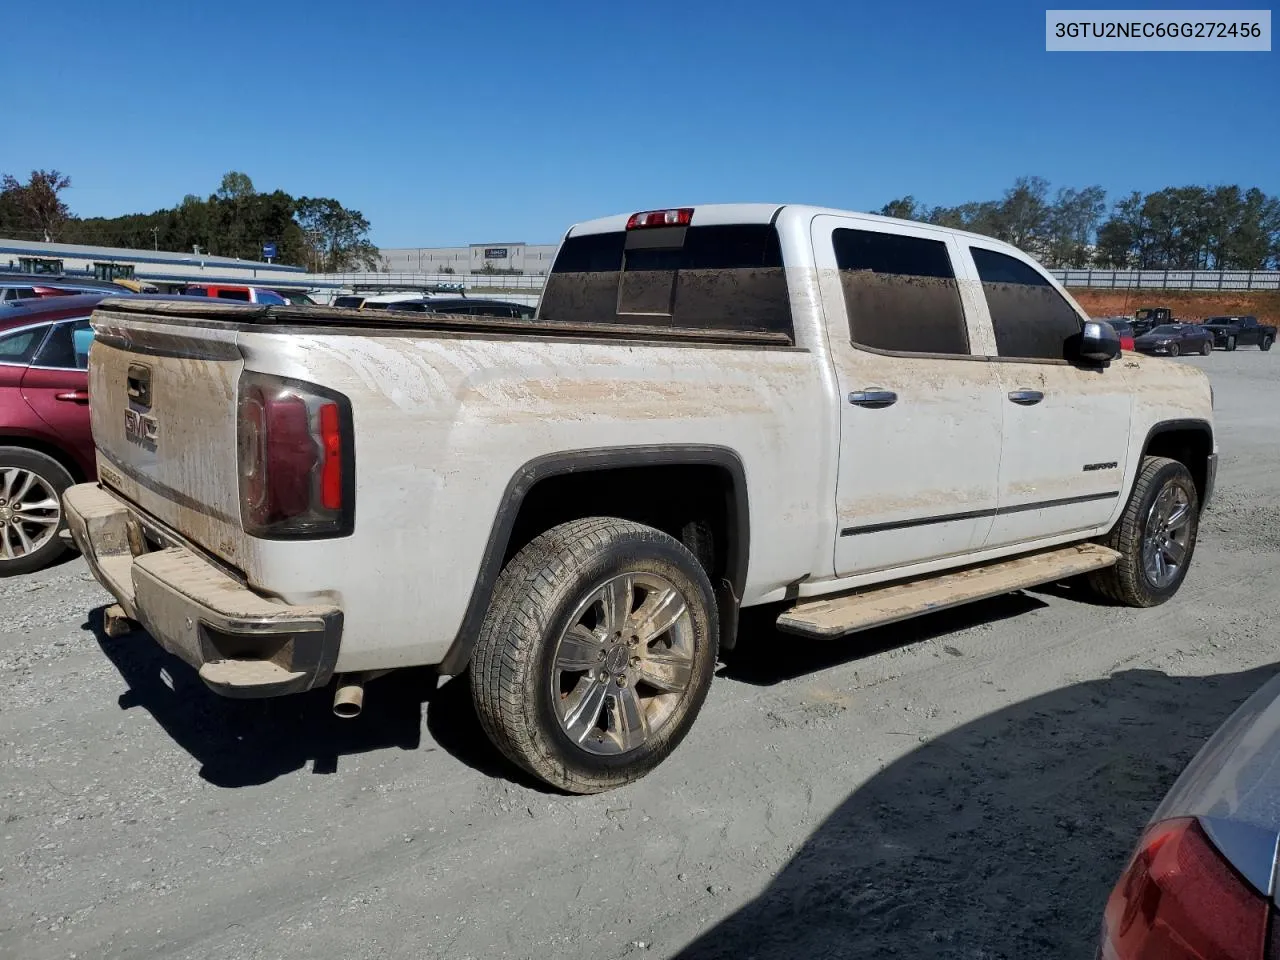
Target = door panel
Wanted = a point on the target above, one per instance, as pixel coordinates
(56, 386)
(1063, 459)
(1066, 427)
(920, 434)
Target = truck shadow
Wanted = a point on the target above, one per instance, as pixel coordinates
(1000, 839)
(764, 655)
(246, 742)
(242, 743)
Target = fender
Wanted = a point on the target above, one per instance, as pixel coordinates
(583, 461)
(1188, 425)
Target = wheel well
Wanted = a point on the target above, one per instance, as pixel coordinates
(695, 503)
(49, 450)
(1190, 446)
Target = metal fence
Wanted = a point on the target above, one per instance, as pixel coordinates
(1171, 279)
(1104, 279)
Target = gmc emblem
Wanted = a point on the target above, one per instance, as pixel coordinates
(142, 429)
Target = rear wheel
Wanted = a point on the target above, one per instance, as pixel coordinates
(1265, 344)
(31, 486)
(596, 653)
(1156, 536)
(1206, 348)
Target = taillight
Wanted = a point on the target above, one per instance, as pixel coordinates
(1180, 900)
(661, 218)
(296, 459)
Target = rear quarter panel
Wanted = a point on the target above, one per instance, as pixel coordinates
(443, 424)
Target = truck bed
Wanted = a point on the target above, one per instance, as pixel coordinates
(342, 319)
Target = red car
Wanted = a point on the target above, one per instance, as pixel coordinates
(45, 441)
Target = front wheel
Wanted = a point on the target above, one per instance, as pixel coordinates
(1156, 536)
(596, 653)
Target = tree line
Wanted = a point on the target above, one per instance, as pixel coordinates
(318, 233)
(1177, 228)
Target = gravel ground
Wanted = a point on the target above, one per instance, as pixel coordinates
(966, 785)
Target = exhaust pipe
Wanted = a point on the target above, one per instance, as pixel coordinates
(348, 701)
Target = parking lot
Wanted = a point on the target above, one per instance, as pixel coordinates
(964, 785)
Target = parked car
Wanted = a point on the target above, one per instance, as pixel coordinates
(380, 301)
(573, 516)
(1231, 332)
(31, 286)
(468, 306)
(1201, 882)
(295, 296)
(45, 440)
(1172, 339)
(10, 291)
(223, 291)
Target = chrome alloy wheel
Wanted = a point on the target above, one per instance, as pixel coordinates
(1168, 534)
(624, 663)
(30, 513)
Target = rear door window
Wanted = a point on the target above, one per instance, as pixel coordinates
(900, 293)
(242, 295)
(67, 347)
(18, 347)
(716, 277)
(1032, 321)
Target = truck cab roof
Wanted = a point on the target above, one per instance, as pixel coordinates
(715, 214)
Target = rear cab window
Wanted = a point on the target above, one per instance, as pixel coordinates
(1030, 318)
(721, 277)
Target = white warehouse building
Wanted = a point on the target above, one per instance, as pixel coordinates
(532, 259)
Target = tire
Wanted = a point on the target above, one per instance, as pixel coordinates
(1206, 348)
(1174, 350)
(1265, 345)
(1231, 343)
(1131, 582)
(546, 668)
(29, 537)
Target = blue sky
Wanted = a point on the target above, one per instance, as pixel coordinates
(500, 121)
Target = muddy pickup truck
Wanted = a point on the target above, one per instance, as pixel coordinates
(849, 418)
(1231, 332)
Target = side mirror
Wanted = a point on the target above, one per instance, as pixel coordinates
(1098, 342)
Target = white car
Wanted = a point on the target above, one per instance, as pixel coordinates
(854, 418)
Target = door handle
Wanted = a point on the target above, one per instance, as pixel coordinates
(1026, 397)
(75, 396)
(874, 398)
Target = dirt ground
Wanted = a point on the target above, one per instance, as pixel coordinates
(1185, 304)
(967, 785)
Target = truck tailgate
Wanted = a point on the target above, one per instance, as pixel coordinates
(164, 421)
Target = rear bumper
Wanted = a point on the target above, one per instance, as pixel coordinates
(242, 644)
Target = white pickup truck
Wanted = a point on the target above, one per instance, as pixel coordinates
(853, 418)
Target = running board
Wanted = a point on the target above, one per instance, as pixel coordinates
(876, 606)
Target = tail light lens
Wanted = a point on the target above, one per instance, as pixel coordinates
(1180, 900)
(296, 459)
(680, 217)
